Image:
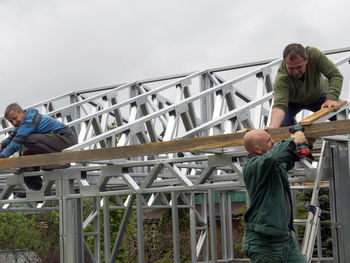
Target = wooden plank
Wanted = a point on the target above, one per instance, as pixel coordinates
(319, 114)
(185, 145)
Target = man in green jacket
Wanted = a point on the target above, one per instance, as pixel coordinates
(269, 219)
(299, 84)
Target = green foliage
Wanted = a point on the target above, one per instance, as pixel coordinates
(158, 240)
(169, 258)
(49, 250)
(115, 222)
(112, 126)
(18, 231)
(238, 231)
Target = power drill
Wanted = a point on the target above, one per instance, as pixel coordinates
(303, 148)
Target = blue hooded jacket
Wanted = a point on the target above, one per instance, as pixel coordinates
(33, 123)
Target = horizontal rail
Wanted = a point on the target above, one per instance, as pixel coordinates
(185, 145)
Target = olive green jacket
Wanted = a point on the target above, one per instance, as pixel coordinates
(288, 89)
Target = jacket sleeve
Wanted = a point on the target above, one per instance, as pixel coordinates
(331, 72)
(21, 134)
(283, 153)
(9, 139)
(6, 143)
(281, 89)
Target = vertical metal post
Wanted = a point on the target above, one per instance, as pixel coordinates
(319, 243)
(96, 225)
(191, 108)
(223, 224)
(76, 113)
(212, 221)
(106, 229)
(140, 238)
(332, 204)
(206, 102)
(205, 217)
(340, 192)
(175, 223)
(217, 112)
(71, 220)
(229, 227)
(193, 229)
(257, 118)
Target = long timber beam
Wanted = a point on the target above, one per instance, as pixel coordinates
(185, 145)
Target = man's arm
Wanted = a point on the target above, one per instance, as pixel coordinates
(14, 141)
(280, 97)
(6, 142)
(334, 76)
(277, 117)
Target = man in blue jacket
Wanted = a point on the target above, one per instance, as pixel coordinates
(39, 134)
(269, 219)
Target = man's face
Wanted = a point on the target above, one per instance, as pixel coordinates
(266, 143)
(16, 118)
(297, 67)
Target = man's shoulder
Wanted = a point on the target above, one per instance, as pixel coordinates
(282, 75)
(29, 116)
(31, 112)
(252, 161)
(313, 52)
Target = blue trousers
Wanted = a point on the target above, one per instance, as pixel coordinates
(294, 109)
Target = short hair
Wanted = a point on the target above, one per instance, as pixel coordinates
(13, 106)
(293, 50)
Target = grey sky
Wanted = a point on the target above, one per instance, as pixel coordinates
(50, 47)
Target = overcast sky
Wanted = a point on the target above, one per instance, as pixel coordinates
(50, 47)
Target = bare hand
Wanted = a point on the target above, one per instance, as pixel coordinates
(299, 138)
(332, 104)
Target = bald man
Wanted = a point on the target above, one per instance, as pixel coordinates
(269, 219)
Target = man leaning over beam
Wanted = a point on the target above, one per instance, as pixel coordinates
(39, 134)
(300, 84)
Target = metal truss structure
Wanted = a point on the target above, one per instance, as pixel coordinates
(208, 102)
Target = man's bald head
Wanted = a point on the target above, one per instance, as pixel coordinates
(257, 142)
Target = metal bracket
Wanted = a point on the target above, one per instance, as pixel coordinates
(141, 100)
(227, 89)
(243, 115)
(218, 160)
(181, 108)
(111, 170)
(185, 82)
(136, 128)
(15, 179)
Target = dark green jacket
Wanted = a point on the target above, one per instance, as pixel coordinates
(288, 89)
(266, 180)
